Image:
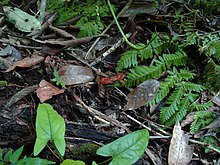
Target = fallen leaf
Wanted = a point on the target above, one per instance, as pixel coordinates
(214, 124)
(51, 49)
(111, 80)
(26, 62)
(180, 152)
(19, 95)
(216, 100)
(143, 93)
(73, 74)
(47, 90)
(22, 20)
(189, 119)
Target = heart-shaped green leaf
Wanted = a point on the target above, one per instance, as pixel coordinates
(49, 126)
(127, 149)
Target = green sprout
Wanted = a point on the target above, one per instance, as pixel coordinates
(57, 78)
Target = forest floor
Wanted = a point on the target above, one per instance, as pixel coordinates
(75, 74)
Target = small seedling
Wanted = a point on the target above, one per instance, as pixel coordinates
(57, 78)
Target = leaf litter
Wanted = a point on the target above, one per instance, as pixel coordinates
(77, 75)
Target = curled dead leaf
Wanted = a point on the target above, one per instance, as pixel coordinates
(180, 152)
(73, 74)
(26, 62)
(111, 80)
(143, 93)
(46, 90)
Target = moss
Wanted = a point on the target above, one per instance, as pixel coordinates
(85, 148)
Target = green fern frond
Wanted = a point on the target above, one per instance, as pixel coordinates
(142, 73)
(213, 49)
(193, 87)
(128, 59)
(201, 119)
(186, 74)
(211, 140)
(172, 104)
(178, 103)
(200, 107)
(181, 110)
(211, 75)
(177, 59)
(171, 80)
(88, 28)
(145, 53)
(155, 46)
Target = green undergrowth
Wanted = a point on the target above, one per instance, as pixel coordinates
(166, 58)
(91, 13)
(208, 6)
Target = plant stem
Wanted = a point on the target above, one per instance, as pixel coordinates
(121, 31)
(108, 160)
(205, 144)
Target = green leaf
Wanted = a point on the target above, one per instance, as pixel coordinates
(0, 154)
(94, 163)
(8, 155)
(22, 21)
(72, 162)
(49, 126)
(127, 149)
(14, 157)
(33, 161)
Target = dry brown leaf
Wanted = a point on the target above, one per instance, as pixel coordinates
(26, 62)
(20, 95)
(214, 124)
(189, 119)
(47, 90)
(143, 93)
(180, 152)
(61, 32)
(73, 74)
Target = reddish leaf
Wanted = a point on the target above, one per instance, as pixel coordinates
(47, 90)
(111, 80)
(143, 93)
(27, 62)
(51, 49)
(73, 74)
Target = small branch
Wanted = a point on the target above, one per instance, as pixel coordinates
(113, 48)
(205, 145)
(98, 115)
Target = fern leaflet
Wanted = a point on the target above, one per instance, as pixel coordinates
(142, 73)
(201, 119)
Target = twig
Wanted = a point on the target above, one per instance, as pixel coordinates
(141, 124)
(100, 115)
(20, 46)
(108, 27)
(205, 144)
(113, 48)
